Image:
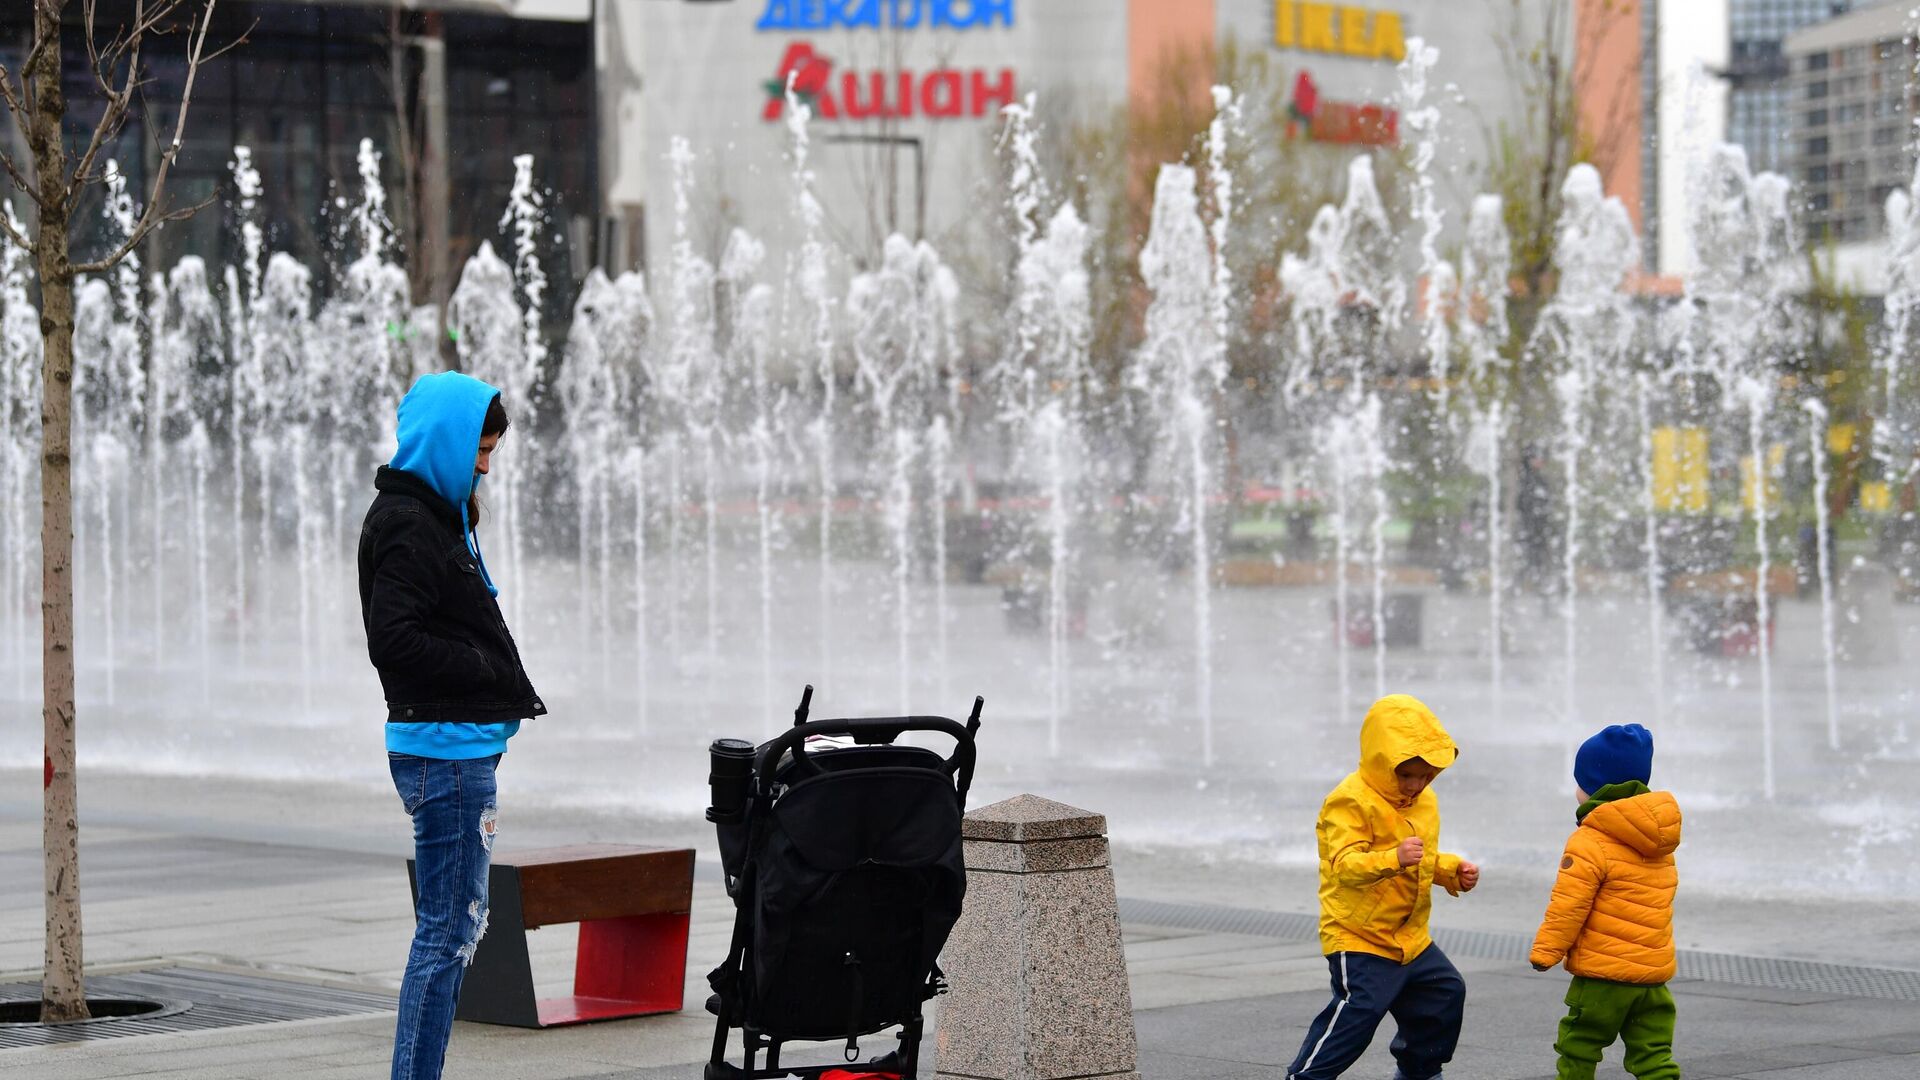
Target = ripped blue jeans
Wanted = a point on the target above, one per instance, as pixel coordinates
(454, 809)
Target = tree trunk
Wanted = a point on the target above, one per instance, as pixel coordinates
(62, 986)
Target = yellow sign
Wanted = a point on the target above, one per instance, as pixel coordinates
(1776, 463)
(1680, 470)
(1339, 29)
(1840, 439)
(1876, 496)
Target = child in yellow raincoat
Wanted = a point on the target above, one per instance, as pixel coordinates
(1380, 856)
(1611, 916)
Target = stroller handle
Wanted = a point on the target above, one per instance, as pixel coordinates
(872, 731)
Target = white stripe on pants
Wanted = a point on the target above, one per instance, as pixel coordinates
(1345, 993)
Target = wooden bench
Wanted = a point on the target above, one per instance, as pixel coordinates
(632, 905)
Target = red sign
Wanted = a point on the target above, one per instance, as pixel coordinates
(1339, 121)
(943, 94)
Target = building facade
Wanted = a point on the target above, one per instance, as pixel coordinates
(905, 101)
(1759, 102)
(446, 92)
(1344, 59)
(905, 96)
(1852, 86)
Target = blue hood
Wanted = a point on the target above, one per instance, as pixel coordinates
(439, 436)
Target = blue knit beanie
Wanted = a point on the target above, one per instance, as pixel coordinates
(1621, 752)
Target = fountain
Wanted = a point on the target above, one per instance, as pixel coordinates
(1349, 308)
(1587, 328)
(1042, 386)
(19, 442)
(1486, 266)
(1178, 372)
(925, 468)
(1746, 328)
(1817, 455)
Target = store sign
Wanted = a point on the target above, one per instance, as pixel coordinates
(1339, 121)
(1339, 30)
(884, 14)
(942, 94)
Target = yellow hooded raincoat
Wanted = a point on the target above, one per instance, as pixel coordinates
(1368, 902)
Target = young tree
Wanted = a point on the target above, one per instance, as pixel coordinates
(54, 179)
(1576, 108)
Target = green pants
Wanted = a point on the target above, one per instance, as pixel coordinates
(1599, 1010)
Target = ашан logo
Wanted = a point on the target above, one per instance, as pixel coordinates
(943, 94)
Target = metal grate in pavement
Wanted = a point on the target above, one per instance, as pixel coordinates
(197, 1000)
(1892, 984)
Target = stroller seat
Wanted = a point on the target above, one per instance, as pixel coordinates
(844, 865)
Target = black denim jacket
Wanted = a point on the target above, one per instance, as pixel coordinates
(433, 631)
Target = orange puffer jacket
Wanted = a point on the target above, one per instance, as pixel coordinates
(1611, 916)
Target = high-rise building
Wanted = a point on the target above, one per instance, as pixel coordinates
(1852, 89)
(1758, 106)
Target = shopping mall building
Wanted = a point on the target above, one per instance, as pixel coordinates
(906, 95)
(906, 98)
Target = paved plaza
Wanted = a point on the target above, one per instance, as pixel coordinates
(263, 881)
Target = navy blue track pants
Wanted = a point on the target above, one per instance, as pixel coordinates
(1426, 999)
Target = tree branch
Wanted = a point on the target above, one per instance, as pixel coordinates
(235, 43)
(125, 39)
(40, 45)
(15, 100)
(152, 216)
(19, 180)
(147, 224)
(119, 101)
(116, 109)
(6, 226)
(14, 103)
(23, 104)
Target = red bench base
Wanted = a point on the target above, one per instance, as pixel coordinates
(624, 965)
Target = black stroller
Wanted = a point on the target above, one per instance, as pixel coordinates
(845, 870)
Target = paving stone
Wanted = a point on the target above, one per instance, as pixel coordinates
(1218, 1006)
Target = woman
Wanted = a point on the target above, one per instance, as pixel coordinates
(455, 689)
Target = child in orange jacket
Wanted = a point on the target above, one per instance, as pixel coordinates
(1611, 916)
(1380, 857)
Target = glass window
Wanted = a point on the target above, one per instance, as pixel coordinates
(314, 79)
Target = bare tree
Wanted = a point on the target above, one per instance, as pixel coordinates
(55, 180)
(414, 75)
(1554, 53)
